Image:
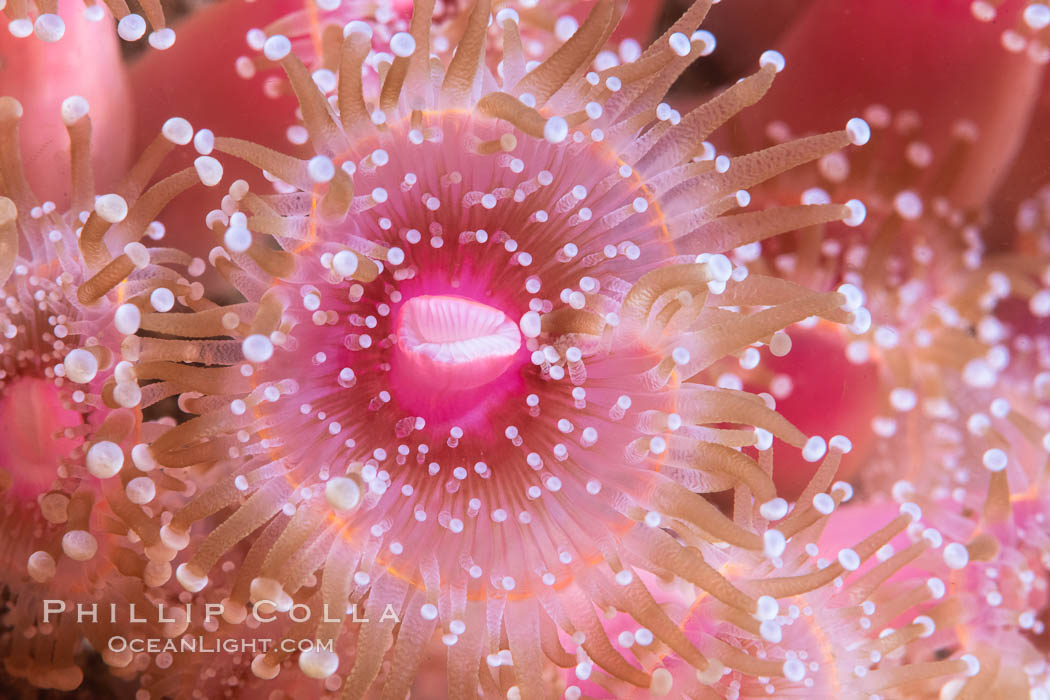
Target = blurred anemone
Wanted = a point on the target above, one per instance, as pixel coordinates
(955, 332)
(996, 564)
(852, 617)
(75, 490)
(851, 609)
(936, 298)
(847, 55)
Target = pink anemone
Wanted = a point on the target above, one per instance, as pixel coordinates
(457, 381)
(75, 488)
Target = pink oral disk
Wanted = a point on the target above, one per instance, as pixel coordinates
(451, 343)
(32, 418)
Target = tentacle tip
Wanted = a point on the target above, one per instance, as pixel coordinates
(855, 213)
(20, 28)
(982, 10)
(10, 108)
(815, 449)
(794, 670)
(257, 348)
(357, 27)
(661, 682)
(773, 543)
(262, 668)
(774, 509)
(772, 59)
(178, 131)
(507, 14)
(79, 545)
(767, 608)
(131, 27)
(858, 130)
(74, 108)
(403, 44)
(190, 579)
(556, 130)
(174, 538)
(49, 27)
(41, 566)
(712, 674)
(277, 47)
(208, 170)
(162, 39)
(318, 663)
(841, 444)
(708, 39)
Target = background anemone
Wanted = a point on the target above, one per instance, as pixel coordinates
(44, 20)
(75, 492)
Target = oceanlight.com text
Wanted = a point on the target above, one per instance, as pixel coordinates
(212, 645)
